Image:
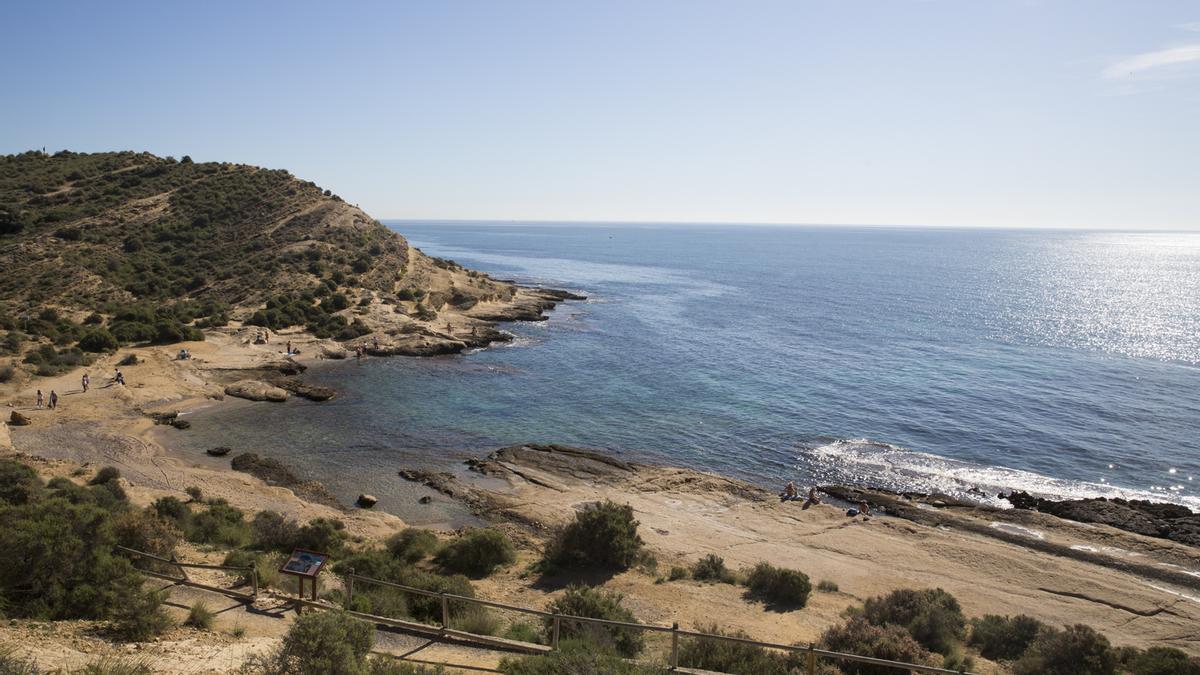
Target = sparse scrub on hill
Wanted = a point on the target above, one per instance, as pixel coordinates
(1157, 661)
(1075, 649)
(13, 664)
(678, 572)
(49, 361)
(859, 636)
(1003, 637)
(412, 544)
(477, 553)
(524, 631)
(597, 603)
(328, 642)
(577, 658)
(932, 616)
(602, 535)
(826, 586)
(200, 616)
(114, 665)
(391, 602)
(324, 535)
(7, 373)
(777, 586)
(105, 475)
(272, 531)
(712, 568)
(19, 483)
(220, 524)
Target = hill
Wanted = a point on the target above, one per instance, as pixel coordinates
(100, 250)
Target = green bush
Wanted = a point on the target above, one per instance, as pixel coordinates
(712, 568)
(677, 573)
(477, 552)
(174, 510)
(778, 586)
(724, 656)
(1003, 637)
(577, 658)
(384, 601)
(98, 340)
(141, 617)
(273, 532)
(826, 586)
(523, 631)
(324, 535)
(105, 475)
(932, 616)
(221, 524)
(146, 531)
(1162, 661)
(858, 636)
(114, 665)
(7, 373)
(412, 544)
(327, 642)
(200, 616)
(1075, 649)
(194, 493)
(597, 603)
(19, 484)
(602, 535)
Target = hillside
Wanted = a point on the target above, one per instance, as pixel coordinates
(122, 248)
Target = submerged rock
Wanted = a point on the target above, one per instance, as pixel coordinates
(311, 392)
(273, 472)
(220, 451)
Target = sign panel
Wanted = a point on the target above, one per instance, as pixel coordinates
(304, 563)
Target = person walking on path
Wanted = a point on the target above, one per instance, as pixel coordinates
(53, 399)
(86, 381)
(40, 399)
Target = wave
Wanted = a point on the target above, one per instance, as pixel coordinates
(878, 464)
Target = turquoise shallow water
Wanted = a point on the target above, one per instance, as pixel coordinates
(1061, 362)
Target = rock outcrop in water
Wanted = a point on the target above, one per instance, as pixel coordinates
(273, 472)
(1153, 519)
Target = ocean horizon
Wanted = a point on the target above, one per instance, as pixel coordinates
(962, 361)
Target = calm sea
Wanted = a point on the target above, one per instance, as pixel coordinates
(1066, 363)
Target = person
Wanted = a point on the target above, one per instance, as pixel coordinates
(119, 378)
(813, 498)
(41, 399)
(789, 492)
(449, 329)
(376, 342)
(86, 381)
(863, 510)
(53, 399)
(289, 347)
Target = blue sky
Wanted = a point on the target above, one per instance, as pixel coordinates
(955, 112)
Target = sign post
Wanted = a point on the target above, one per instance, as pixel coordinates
(305, 564)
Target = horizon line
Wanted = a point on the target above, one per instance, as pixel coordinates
(896, 226)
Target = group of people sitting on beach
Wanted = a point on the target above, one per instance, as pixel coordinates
(791, 494)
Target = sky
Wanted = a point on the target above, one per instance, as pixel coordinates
(970, 113)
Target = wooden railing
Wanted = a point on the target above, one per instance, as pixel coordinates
(810, 652)
(183, 580)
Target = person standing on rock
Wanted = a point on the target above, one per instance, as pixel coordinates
(86, 381)
(53, 399)
(40, 399)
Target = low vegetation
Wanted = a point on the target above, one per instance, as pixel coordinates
(777, 586)
(725, 656)
(712, 568)
(932, 617)
(578, 658)
(602, 535)
(597, 603)
(477, 553)
(412, 544)
(330, 643)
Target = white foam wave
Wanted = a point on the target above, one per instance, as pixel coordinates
(880, 464)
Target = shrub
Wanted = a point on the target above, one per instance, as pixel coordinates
(523, 631)
(577, 658)
(412, 544)
(712, 568)
(200, 616)
(19, 484)
(480, 622)
(596, 603)
(932, 616)
(194, 493)
(603, 535)
(826, 586)
(141, 617)
(98, 340)
(778, 586)
(7, 373)
(677, 573)
(858, 636)
(1075, 649)
(147, 532)
(724, 656)
(477, 552)
(220, 524)
(1003, 637)
(175, 511)
(108, 473)
(272, 531)
(325, 535)
(329, 642)
(114, 665)
(11, 664)
(1162, 661)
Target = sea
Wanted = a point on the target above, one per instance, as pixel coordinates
(961, 361)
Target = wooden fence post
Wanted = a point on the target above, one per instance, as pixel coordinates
(674, 645)
(445, 611)
(811, 660)
(254, 579)
(554, 634)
